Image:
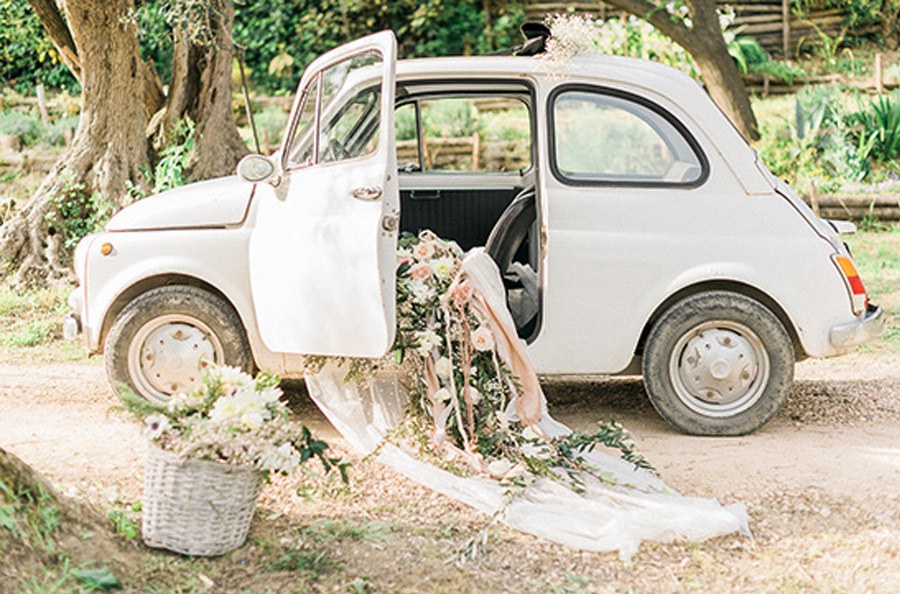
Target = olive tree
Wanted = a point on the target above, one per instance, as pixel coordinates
(123, 106)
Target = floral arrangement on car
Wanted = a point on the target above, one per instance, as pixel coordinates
(468, 407)
(231, 418)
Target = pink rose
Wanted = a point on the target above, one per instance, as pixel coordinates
(462, 293)
(483, 339)
(424, 250)
(420, 271)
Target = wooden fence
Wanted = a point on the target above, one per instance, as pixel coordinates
(771, 22)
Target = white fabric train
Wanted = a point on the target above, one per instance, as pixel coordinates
(603, 518)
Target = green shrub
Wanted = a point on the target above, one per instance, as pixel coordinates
(783, 71)
(877, 127)
(270, 124)
(26, 125)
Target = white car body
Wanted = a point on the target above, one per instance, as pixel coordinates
(611, 258)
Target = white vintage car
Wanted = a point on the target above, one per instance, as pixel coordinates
(637, 231)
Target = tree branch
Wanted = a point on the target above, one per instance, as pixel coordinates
(59, 33)
(661, 20)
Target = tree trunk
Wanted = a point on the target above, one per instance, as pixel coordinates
(109, 148)
(704, 41)
(218, 145)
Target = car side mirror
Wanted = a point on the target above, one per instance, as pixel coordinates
(256, 169)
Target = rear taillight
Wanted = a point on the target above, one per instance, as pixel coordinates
(854, 283)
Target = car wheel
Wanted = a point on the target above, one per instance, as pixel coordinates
(718, 363)
(162, 340)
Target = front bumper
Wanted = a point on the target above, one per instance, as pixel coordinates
(844, 336)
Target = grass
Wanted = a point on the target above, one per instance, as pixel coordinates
(877, 257)
(31, 326)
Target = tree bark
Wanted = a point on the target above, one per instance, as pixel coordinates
(218, 145)
(109, 147)
(704, 41)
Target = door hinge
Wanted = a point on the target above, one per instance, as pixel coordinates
(389, 223)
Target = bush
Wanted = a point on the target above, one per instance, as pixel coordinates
(877, 127)
(27, 56)
(26, 125)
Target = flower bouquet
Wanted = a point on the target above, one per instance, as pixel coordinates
(210, 452)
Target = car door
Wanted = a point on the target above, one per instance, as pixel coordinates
(323, 248)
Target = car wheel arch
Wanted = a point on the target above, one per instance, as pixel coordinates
(149, 283)
(732, 286)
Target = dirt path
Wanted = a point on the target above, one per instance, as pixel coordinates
(821, 482)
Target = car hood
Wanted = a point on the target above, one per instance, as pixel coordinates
(214, 203)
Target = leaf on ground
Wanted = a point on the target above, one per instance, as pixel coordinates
(97, 578)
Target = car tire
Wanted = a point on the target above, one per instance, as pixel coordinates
(718, 363)
(161, 341)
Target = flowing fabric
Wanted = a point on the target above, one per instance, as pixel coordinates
(610, 515)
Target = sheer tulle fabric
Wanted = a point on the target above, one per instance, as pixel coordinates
(605, 517)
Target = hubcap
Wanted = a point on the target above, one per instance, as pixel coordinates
(168, 354)
(719, 368)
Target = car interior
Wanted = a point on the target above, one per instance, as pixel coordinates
(465, 159)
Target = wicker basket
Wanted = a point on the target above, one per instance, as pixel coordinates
(197, 507)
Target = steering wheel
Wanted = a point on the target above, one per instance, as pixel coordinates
(335, 151)
(511, 229)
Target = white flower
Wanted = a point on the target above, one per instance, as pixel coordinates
(423, 250)
(284, 458)
(427, 341)
(420, 290)
(443, 395)
(232, 376)
(443, 267)
(570, 36)
(475, 395)
(156, 426)
(243, 408)
(444, 368)
(483, 339)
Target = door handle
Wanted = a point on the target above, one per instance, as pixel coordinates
(424, 194)
(367, 194)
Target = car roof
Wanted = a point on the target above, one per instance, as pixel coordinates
(596, 66)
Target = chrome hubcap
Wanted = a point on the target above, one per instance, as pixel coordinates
(719, 368)
(168, 354)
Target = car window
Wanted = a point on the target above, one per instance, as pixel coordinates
(611, 139)
(300, 152)
(464, 134)
(348, 107)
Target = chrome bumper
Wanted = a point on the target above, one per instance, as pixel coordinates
(855, 333)
(71, 324)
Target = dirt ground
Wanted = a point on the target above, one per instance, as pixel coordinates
(821, 483)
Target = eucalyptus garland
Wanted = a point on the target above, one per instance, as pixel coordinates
(462, 406)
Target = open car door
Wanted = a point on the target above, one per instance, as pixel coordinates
(323, 249)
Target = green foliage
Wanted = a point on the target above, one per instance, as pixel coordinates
(813, 144)
(637, 38)
(97, 579)
(26, 125)
(747, 52)
(877, 127)
(785, 71)
(273, 32)
(30, 514)
(125, 520)
(308, 564)
(27, 56)
(77, 213)
(173, 159)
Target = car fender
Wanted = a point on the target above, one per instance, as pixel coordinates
(221, 275)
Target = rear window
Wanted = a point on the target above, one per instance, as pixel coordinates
(615, 140)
